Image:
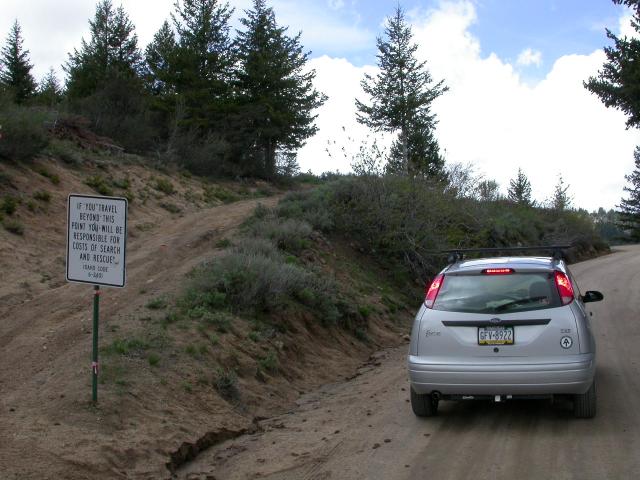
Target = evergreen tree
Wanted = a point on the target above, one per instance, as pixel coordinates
(15, 68)
(618, 82)
(560, 200)
(520, 189)
(203, 61)
(49, 90)
(276, 95)
(160, 57)
(630, 207)
(401, 96)
(112, 53)
(104, 79)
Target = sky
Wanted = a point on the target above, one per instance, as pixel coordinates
(514, 71)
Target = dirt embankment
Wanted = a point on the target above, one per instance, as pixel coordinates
(150, 414)
(365, 429)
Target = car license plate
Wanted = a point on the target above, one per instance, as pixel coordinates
(495, 335)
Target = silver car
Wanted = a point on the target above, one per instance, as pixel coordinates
(500, 329)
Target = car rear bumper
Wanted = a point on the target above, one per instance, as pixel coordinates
(567, 375)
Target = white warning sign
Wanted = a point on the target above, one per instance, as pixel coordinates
(96, 240)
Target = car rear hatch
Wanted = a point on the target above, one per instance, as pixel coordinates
(499, 312)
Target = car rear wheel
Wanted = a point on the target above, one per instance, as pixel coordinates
(423, 405)
(584, 405)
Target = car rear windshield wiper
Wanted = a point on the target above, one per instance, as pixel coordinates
(519, 302)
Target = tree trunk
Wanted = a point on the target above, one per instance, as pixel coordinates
(405, 153)
(270, 159)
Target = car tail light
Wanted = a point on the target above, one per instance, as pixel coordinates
(565, 289)
(432, 291)
(498, 271)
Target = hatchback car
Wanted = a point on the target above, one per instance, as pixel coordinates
(500, 329)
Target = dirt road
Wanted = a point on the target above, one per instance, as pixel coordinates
(46, 428)
(364, 428)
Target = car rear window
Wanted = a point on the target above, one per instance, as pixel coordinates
(516, 292)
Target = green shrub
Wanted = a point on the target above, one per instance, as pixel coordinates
(42, 196)
(6, 180)
(129, 346)
(251, 281)
(158, 303)
(99, 184)
(313, 207)
(225, 383)
(213, 193)
(254, 336)
(218, 319)
(223, 243)
(165, 186)
(9, 205)
(256, 246)
(269, 362)
(196, 302)
(65, 151)
(288, 234)
(154, 359)
(53, 177)
(170, 207)
(13, 226)
(23, 132)
(122, 183)
(361, 334)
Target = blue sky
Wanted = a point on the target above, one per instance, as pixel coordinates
(514, 67)
(553, 27)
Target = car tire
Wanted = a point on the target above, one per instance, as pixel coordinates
(423, 405)
(584, 405)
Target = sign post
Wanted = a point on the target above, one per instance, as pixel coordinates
(96, 252)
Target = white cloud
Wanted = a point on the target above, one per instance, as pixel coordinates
(323, 29)
(625, 29)
(529, 57)
(339, 132)
(335, 4)
(492, 118)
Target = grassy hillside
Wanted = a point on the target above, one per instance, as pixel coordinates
(221, 321)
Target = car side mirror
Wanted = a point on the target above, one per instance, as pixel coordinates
(592, 296)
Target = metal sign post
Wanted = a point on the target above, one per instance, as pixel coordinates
(94, 354)
(96, 253)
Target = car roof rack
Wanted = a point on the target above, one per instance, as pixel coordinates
(458, 254)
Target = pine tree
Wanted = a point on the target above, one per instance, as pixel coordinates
(630, 207)
(203, 61)
(160, 57)
(401, 96)
(560, 200)
(276, 94)
(520, 189)
(618, 82)
(49, 90)
(112, 53)
(15, 68)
